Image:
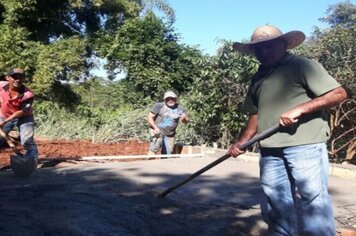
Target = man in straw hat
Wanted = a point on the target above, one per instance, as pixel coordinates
(294, 92)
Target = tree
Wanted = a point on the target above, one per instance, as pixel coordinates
(342, 14)
(55, 19)
(54, 39)
(148, 51)
(57, 64)
(148, 6)
(218, 93)
(335, 48)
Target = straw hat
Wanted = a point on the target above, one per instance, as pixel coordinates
(268, 32)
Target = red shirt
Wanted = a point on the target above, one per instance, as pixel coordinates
(22, 101)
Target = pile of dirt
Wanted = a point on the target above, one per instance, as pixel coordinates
(75, 149)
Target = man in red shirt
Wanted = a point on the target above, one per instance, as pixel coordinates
(16, 110)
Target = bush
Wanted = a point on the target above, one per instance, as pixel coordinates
(112, 126)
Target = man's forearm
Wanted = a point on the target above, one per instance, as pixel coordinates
(328, 100)
(248, 133)
(151, 121)
(250, 130)
(17, 114)
(151, 124)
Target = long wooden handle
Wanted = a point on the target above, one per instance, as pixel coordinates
(270, 131)
(10, 143)
(258, 137)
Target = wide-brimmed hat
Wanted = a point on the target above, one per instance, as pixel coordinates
(266, 33)
(169, 94)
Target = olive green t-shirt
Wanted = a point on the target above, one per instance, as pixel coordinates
(273, 91)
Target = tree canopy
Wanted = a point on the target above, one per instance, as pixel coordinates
(56, 41)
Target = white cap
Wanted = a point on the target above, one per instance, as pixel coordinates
(169, 94)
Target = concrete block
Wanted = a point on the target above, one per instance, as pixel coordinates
(187, 149)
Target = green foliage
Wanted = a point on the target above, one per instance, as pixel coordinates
(112, 126)
(335, 49)
(54, 41)
(149, 53)
(148, 7)
(342, 14)
(47, 66)
(48, 20)
(217, 95)
(64, 60)
(15, 49)
(105, 95)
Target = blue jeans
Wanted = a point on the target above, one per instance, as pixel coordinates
(295, 181)
(163, 143)
(26, 126)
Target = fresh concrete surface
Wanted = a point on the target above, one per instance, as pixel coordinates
(89, 198)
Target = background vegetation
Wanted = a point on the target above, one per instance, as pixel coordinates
(58, 43)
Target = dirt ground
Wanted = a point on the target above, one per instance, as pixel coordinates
(69, 197)
(66, 196)
(105, 198)
(57, 150)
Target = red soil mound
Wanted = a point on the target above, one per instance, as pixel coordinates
(54, 149)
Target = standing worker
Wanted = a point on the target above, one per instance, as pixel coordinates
(163, 121)
(295, 92)
(16, 110)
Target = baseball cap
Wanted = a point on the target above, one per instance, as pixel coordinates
(16, 71)
(169, 94)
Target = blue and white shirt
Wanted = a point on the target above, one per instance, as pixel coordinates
(167, 118)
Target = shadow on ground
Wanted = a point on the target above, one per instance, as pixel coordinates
(121, 199)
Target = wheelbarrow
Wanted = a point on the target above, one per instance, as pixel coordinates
(21, 165)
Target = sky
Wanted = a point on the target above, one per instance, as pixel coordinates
(204, 22)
